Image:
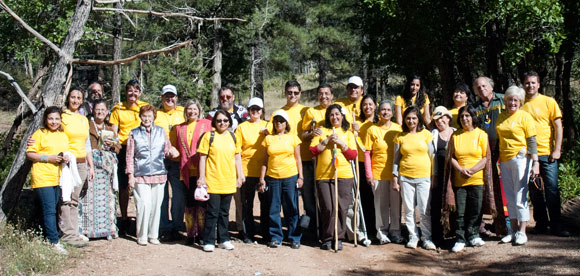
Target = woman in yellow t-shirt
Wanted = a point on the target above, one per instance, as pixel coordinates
(412, 175)
(220, 169)
(469, 154)
(379, 143)
(251, 135)
(335, 132)
(281, 176)
(46, 154)
(413, 94)
(518, 157)
(185, 137)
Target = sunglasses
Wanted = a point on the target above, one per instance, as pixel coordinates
(227, 97)
(290, 93)
(222, 121)
(255, 109)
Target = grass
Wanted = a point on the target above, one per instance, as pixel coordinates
(26, 253)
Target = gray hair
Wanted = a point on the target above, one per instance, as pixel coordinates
(189, 103)
(489, 80)
(515, 91)
(387, 102)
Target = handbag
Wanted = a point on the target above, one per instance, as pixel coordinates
(201, 193)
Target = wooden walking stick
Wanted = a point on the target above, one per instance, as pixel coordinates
(335, 163)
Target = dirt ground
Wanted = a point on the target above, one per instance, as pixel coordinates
(543, 255)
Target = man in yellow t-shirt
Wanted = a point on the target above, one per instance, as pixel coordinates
(549, 133)
(168, 117)
(354, 91)
(125, 117)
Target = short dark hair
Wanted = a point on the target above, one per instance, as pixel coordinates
(292, 83)
(417, 111)
(99, 101)
(134, 84)
(66, 101)
(462, 86)
(327, 124)
(528, 74)
(223, 112)
(49, 110)
(363, 117)
(224, 88)
(274, 130)
(324, 85)
(471, 110)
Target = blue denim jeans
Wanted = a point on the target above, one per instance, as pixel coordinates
(49, 197)
(283, 192)
(177, 200)
(549, 173)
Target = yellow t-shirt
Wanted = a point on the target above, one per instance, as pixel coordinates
(220, 166)
(380, 140)
(168, 119)
(454, 115)
(295, 114)
(44, 174)
(127, 118)
(470, 147)
(281, 159)
(317, 113)
(414, 147)
(76, 127)
(399, 101)
(512, 132)
(248, 133)
(362, 134)
(544, 110)
(324, 166)
(351, 107)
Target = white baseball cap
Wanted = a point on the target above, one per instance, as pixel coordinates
(256, 101)
(356, 80)
(282, 114)
(169, 89)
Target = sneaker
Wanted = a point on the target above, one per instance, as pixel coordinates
(458, 246)
(412, 243)
(326, 245)
(507, 238)
(397, 238)
(208, 248)
(227, 245)
(429, 245)
(274, 244)
(60, 249)
(76, 243)
(84, 238)
(477, 242)
(142, 243)
(295, 245)
(383, 239)
(154, 241)
(520, 238)
(366, 242)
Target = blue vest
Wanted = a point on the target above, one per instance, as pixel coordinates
(149, 156)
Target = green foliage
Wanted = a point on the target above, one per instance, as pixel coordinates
(569, 180)
(6, 161)
(25, 253)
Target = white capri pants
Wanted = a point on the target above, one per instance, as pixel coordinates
(148, 198)
(387, 207)
(515, 174)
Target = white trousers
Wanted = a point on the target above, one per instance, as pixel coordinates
(148, 199)
(515, 174)
(387, 207)
(417, 190)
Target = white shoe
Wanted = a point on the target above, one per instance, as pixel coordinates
(83, 237)
(154, 241)
(507, 238)
(142, 243)
(208, 247)
(383, 239)
(458, 246)
(60, 249)
(227, 245)
(412, 243)
(520, 238)
(366, 242)
(429, 245)
(477, 242)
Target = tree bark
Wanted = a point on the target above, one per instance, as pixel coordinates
(217, 64)
(117, 39)
(21, 166)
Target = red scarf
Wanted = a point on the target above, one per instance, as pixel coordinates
(189, 155)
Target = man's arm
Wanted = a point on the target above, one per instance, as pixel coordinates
(558, 133)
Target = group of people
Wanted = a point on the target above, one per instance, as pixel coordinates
(353, 164)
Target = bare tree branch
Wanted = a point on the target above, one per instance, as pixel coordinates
(19, 90)
(170, 14)
(34, 32)
(125, 60)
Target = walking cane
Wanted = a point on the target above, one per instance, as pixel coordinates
(335, 157)
(357, 179)
(316, 204)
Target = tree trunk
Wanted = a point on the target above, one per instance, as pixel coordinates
(558, 85)
(568, 50)
(217, 64)
(117, 39)
(21, 166)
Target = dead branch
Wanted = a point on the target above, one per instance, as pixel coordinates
(34, 32)
(19, 91)
(170, 14)
(125, 60)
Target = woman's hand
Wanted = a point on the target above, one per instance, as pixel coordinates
(317, 132)
(91, 173)
(396, 186)
(201, 182)
(109, 142)
(535, 169)
(131, 181)
(264, 131)
(173, 153)
(30, 141)
(371, 182)
(465, 173)
(262, 186)
(299, 182)
(55, 159)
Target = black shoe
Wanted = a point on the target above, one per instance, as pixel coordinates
(248, 240)
(123, 226)
(560, 232)
(326, 245)
(274, 244)
(540, 229)
(189, 241)
(295, 245)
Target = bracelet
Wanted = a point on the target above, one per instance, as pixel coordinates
(300, 178)
(535, 161)
(44, 158)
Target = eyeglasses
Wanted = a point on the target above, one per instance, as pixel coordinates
(290, 93)
(226, 97)
(222, 121)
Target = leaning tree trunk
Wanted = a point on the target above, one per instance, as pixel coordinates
(116, 80)
(217, 63)
(21, 166)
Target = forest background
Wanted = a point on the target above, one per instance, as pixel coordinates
(256, 46)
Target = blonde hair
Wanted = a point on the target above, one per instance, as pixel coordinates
(189, 103)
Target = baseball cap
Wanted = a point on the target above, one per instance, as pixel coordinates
(169, 89)
(282, 114)
(356, 80)
(256, 101)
